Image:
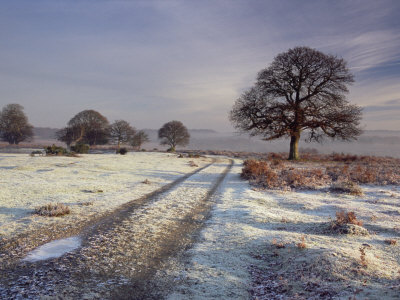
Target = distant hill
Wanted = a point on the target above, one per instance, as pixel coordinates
(205, 131)
(375, 142)
(382, 132)
(44, 133)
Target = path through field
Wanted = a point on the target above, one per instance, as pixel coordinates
(122, 254)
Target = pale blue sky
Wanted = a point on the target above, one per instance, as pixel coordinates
(150, 62)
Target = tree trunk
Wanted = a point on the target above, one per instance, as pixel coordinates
(294, 146)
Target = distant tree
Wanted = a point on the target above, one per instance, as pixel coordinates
(302, 90)
(65, 135)
(139, 139)
(87, 127)
(121, 132)
(173, 133)
(14, 125)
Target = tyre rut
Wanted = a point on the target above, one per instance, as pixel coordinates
(119, 258)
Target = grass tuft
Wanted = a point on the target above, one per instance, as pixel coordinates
(343, 218)
(302, 243)
(391, 242)
(347, 187)
(53, 210)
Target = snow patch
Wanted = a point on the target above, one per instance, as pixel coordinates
(54, 249)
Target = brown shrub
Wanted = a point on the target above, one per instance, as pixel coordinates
(254, 168)
(53, 210)
(302, 243)
(192, 164)
(260, 173)
(363, 175)
(344, 157)
(391, 242)
(347, 187)
(322, 170)
(304, 178)
(277, 163)
(274, 155)
(343, 217)
(277, 244)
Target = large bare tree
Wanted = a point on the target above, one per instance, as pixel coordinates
(303, 90)
(121, 132)
(173, 133)
(14, 125)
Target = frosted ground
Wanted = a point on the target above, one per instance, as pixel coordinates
(247, 247)
(90, 184)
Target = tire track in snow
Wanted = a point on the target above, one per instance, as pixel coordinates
(122, 253)
(13, 249)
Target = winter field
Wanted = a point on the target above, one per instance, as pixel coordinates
(210, 235)
(90, 184)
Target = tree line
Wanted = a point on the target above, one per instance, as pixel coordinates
(302, 91)
(89, 127)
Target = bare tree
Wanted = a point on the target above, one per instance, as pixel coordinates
(14, 125)
(139, 139)
(302, 90)
(121, 132)
(88, 126)
(173, 133)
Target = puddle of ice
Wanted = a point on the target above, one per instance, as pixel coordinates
(53, 249)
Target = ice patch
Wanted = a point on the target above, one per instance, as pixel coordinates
(54, 249)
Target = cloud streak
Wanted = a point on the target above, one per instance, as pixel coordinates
(152, 61)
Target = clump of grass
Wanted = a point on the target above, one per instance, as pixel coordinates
(347, 223)
(55, 150)
(302, 243)
(303, 178)
(343, 217)
(92, 191)
(53, 210)
(348, 187)
(260, 172)
(363, 259)
(122, 151)
(391, 242)
(277, 244)
(192, 164)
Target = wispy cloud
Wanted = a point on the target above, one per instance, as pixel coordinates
(375, 108)
(393, 101)
(153, 61)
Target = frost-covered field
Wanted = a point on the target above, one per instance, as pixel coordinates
(89, 185)
(249, 246)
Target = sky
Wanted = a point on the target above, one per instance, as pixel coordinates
(150, 62)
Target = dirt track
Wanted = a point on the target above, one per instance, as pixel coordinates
(123, 253)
